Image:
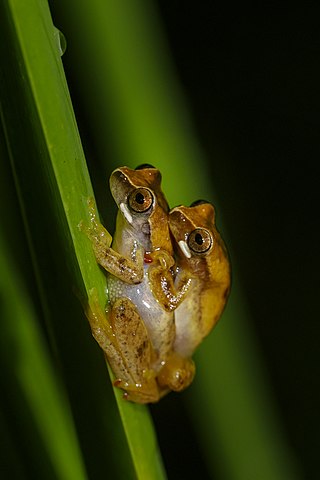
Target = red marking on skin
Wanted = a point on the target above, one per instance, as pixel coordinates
(147, 258)
(117, 382)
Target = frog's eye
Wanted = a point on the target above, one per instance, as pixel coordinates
(200, 240)
(140, 200)
(199, 202)
(143, 166)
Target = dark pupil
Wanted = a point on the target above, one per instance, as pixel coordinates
(140, 198)
(198, 238)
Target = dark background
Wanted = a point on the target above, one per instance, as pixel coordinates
(252, 84)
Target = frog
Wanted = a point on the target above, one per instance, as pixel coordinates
(136, 332)
(202, 264)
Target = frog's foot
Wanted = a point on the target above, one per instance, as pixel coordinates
(161, 279)
(146, 392)
(99, 322)
(161, 260)
(177, 373)
(95, 231)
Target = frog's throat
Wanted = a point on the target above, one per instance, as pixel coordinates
(184, 248)
(126, 213)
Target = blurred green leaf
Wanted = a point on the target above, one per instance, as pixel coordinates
(24, 354)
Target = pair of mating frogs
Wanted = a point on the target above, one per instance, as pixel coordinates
(168, 280)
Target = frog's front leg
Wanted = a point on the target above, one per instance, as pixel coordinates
(128, 270)
(168, 292)
(178, 371)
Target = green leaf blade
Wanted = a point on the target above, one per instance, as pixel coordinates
(57, 170)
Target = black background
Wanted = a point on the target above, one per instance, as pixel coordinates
(252, 84)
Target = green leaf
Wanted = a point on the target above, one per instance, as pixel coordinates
(53, 186)
(24, 354)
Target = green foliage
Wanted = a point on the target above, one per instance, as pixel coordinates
(74, 424)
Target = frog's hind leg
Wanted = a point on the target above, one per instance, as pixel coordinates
(102, 332)
(124, 339)
(177, 373)
(99, 322)
(136, 351)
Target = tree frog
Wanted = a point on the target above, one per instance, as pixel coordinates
(202, 265)
(137, 332)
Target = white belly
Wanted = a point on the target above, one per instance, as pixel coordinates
(158, 322)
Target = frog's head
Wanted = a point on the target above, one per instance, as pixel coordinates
(142, 205)
(198, 244)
